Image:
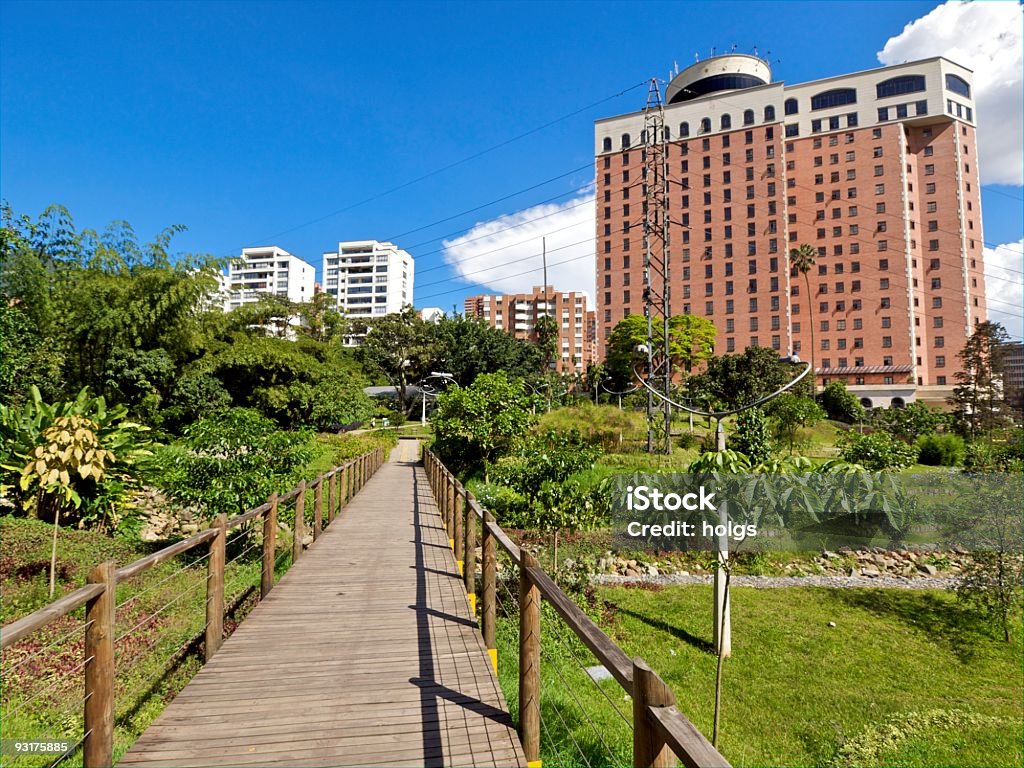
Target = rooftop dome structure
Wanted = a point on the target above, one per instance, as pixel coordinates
(731, 72)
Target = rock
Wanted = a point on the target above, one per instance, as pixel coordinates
(830, 555)
(832, 624)
(632, 572)
(870, 571)
(925, 568)
(652, 571)
(307, 540)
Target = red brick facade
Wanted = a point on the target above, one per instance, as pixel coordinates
(517, 313)
(892, 208)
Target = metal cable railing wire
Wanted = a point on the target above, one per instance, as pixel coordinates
(78, 629)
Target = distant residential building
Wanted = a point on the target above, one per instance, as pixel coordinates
(518, 313)
(368, 279)
(431, 314)
(267, 271)
(1013, 370)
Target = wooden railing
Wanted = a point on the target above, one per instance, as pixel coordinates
(661, 733)
(99, 594)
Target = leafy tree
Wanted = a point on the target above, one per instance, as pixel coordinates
(302, 383)
(465, 347)
(789, 413)
(232, 461)
(913, 421)
(691, 341)
(545, 335)
(979, 395)
(320, 318)
(841, 404)
(400, 346)
(991, 582)
(478, 424)
(75, 460)
(733, 381)
(25, 357)
(801, 259)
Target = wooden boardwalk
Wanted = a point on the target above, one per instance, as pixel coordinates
(365, 653)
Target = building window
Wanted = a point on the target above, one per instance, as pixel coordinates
(836, 97)
(883, 115)
(725, 122)
(607, 144)
(625, 141)
(769, 113)
(958, 85)
(898, 86)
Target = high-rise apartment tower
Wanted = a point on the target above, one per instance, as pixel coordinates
(877, 171)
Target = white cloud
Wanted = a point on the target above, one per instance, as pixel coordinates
(1004, 285)
(986, 38)
(496, 253)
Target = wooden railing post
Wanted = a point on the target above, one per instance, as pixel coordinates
(488, 609)
(346, 478)
(318, 509)
(215, 589)
(458, 505)
(529, 661)
(449, 509)
(649, 690)
(332, 481)
(269, 545)
(300, 523)
(469, 558)
(98, 750)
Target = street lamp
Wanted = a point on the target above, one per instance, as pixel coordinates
(723, 629)
(433, 391)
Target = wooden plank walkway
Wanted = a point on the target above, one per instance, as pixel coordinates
(365, 653)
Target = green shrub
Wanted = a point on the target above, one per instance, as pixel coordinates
(510, 509)
(752, 436)
(876, 452)
(940, 450)
(840, 404)
(232, 462)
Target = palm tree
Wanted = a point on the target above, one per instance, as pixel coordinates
(802, 258)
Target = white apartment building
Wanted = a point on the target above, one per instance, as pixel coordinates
(368, 278)
(267, 270)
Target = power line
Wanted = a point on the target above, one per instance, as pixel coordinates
(455, 164)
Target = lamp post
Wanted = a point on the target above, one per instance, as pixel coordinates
(427, 389)
(723, 629)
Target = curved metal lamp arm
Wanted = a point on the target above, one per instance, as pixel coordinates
(623, 392)
(721, 414)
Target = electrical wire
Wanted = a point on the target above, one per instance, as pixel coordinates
(481, 153)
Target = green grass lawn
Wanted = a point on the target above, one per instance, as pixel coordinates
(905, 678)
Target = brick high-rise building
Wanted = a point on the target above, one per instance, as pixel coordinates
(518, 312)
(877, 170)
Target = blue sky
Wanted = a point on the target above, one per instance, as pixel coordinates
(254, 123)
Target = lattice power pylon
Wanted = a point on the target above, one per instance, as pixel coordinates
(656, 259)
